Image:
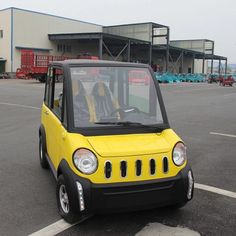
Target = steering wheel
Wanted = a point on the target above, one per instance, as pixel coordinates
(125, 110)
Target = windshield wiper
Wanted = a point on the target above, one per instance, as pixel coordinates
(125, 123)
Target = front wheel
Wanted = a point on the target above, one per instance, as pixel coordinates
(65, 202)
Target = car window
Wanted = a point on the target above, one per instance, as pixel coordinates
(103, 96)
(58, 78)
(48, 87)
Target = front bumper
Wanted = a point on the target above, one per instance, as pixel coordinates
(131, 196)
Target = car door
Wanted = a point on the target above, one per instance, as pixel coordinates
(52, 113)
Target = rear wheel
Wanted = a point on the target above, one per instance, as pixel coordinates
(65, 201)
(42, 79)
(42, 154)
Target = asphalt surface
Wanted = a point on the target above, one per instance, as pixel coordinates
(27, 195)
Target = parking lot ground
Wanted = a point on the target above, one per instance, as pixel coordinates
(199, 113)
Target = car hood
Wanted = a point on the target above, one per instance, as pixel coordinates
(129, 145)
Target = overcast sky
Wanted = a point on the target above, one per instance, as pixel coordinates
(188, 19)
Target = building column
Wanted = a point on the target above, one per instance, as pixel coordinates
(226, 66)
(150, 54)
(182, 62)
(193, 65)
(203, 65)
(212, 61)
(167, 49)
(219, 70)
(128, 51)
(101, 47)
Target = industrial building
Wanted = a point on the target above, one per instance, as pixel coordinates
(143, 42)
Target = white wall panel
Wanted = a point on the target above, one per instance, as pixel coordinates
(31, 30)
(5, 42)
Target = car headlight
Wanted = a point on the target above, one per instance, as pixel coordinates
(179, 154)
(85, 161)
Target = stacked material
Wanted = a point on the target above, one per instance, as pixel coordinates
(176, 78)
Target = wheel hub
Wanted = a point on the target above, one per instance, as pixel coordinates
(64, 200)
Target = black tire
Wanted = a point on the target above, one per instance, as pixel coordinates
(70, 214)
(42, 79)
(42, 154)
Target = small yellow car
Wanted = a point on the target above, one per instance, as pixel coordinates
(108, 141)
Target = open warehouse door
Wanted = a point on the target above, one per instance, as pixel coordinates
(2, 65)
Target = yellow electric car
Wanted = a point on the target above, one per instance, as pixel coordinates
(108, 140)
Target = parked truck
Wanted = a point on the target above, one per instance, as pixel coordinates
(34, 66)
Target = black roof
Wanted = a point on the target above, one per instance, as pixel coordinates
(97, 62)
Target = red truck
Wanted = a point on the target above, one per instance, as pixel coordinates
(140, 77)
(34, 66)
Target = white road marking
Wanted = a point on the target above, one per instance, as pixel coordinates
(157, 229)
(229, 94)
(19, 105)
(215, 190)
(57, 227)
(226, 135)
(190, 88)
(53, 229)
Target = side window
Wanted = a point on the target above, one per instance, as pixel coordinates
(48, 87)
(58, 79)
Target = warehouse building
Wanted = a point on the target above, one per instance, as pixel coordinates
(144, 42)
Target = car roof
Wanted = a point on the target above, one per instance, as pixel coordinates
(79, 62)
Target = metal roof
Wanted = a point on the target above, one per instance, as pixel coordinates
(198, 55)
(155, 25)
(32, 48)
(93, 35)
(185, 40)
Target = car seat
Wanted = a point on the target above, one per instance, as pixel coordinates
(104, 103)
(83, 107)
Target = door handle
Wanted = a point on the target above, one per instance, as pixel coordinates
(46, 113)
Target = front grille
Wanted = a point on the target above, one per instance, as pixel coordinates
(154, 166)
(138, 167)
(165, 165)
(108, 169)
(123, 168)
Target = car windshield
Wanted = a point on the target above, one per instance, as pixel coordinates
(114, 96)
